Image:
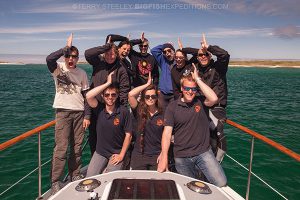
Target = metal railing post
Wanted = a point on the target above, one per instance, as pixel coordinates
(250, 168)
(39, 166)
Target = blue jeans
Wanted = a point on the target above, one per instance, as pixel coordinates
(207, 163)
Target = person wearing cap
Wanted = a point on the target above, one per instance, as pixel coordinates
(186, 118)
(213, 73)
(71, 85)
(164, 55)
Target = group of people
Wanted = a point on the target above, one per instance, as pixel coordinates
(143, 111)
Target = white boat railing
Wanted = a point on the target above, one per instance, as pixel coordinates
(254, 135)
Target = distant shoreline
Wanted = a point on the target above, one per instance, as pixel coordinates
(234, 63)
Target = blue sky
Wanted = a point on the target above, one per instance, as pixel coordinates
(267, 29)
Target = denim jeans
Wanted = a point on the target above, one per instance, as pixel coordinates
(207, 163)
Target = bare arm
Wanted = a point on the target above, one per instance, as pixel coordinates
(165, 145)
(210, 95)
(134, 93)
(91, 95)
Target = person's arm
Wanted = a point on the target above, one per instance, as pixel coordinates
(53, 57)
(117, 158)
(210, 96)
(91, 95)
(157, 53)
(92, 54)
(115, 38)
(165, 145)
(134, 93)
(223, 57)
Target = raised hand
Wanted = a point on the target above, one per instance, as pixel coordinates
(195, 72)
(143, 36)
(109, 40)
(70, 40)
(204, 44)
(109, 77)
(149, 79)
(128, 36)
(180, 44)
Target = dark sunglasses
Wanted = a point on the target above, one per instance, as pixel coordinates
(167, 51)
(151, 96)
(203, 54)
(146, 45)
(110, 94)
(194, 89)
(73, 56)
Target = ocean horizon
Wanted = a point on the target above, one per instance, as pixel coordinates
(41, 59)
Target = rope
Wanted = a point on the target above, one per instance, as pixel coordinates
(257, 177)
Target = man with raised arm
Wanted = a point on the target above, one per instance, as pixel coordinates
(71, 84)
(164, 55)
(187, 120)
(114, 129)
(213, 73)
(104, 60)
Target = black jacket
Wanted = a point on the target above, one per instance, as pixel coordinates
(101, 70)
(214, 75)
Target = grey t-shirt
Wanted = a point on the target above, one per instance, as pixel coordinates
(69, 83)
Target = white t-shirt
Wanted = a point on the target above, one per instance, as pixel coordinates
(68, 84)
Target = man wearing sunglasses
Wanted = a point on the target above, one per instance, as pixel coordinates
(141, 62)
(164, 55)
(71, 84)
(187, 120)
(104, 60)
(213, 73)
(114, 129)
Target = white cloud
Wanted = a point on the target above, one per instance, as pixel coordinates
(227, 32)
(69, 27)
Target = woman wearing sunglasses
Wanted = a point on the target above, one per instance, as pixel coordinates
(149, 128)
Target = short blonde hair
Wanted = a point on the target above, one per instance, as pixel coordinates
(187, 77)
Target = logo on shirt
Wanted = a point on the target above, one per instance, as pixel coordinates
(116, 121)
(144, 67)
(197, 108)
(159, 122)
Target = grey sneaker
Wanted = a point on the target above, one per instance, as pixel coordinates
(77, 177)
(55, 187)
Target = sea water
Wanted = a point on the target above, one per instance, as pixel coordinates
(266, 100)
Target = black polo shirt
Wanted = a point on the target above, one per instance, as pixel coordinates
(111, 130)
(152, 136)
(190, 127)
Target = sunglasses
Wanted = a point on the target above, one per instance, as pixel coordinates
(179, 57)
(194, 89)
(145, 46)
(151, 96)
(167, 51)
(203, 54)
(110, 94)
(73, 56)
